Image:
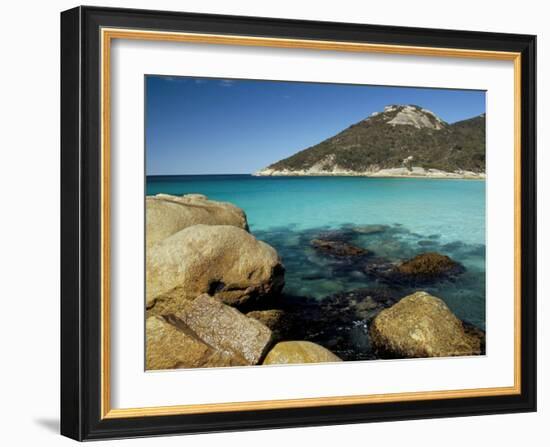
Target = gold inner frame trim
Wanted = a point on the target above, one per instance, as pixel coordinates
(107, 35)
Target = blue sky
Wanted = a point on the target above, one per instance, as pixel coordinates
(217, 126)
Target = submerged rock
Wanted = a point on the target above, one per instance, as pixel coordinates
(168, 347)
(343, 234)
(428, 266)
(426, 243)
(290, 352)
(338, 248)
(423, 269)
(167, 214)
(370, 229)
(421, 325)
(224, 261)
(225, 328)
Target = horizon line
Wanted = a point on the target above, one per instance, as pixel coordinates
(195, 175)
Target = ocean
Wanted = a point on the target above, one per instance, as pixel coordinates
(411, 216)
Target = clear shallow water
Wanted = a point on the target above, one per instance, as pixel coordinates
(419, 215)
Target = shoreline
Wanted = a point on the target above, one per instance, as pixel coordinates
(379, 174)
(437, 176)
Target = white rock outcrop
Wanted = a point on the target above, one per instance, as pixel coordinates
(412, 116)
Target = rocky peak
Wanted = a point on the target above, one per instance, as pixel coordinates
(410, 115)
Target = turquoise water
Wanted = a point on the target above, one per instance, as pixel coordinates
(418, 215)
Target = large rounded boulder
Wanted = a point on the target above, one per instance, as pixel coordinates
(223, 261)
(167, 214)
(292, 352)
(421, 325)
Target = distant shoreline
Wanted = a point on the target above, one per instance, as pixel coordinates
(373, 176)
(335, 175)
(415, 172)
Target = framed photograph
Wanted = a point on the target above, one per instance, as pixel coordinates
(276, 223)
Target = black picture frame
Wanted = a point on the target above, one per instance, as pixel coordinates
(81, 223)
